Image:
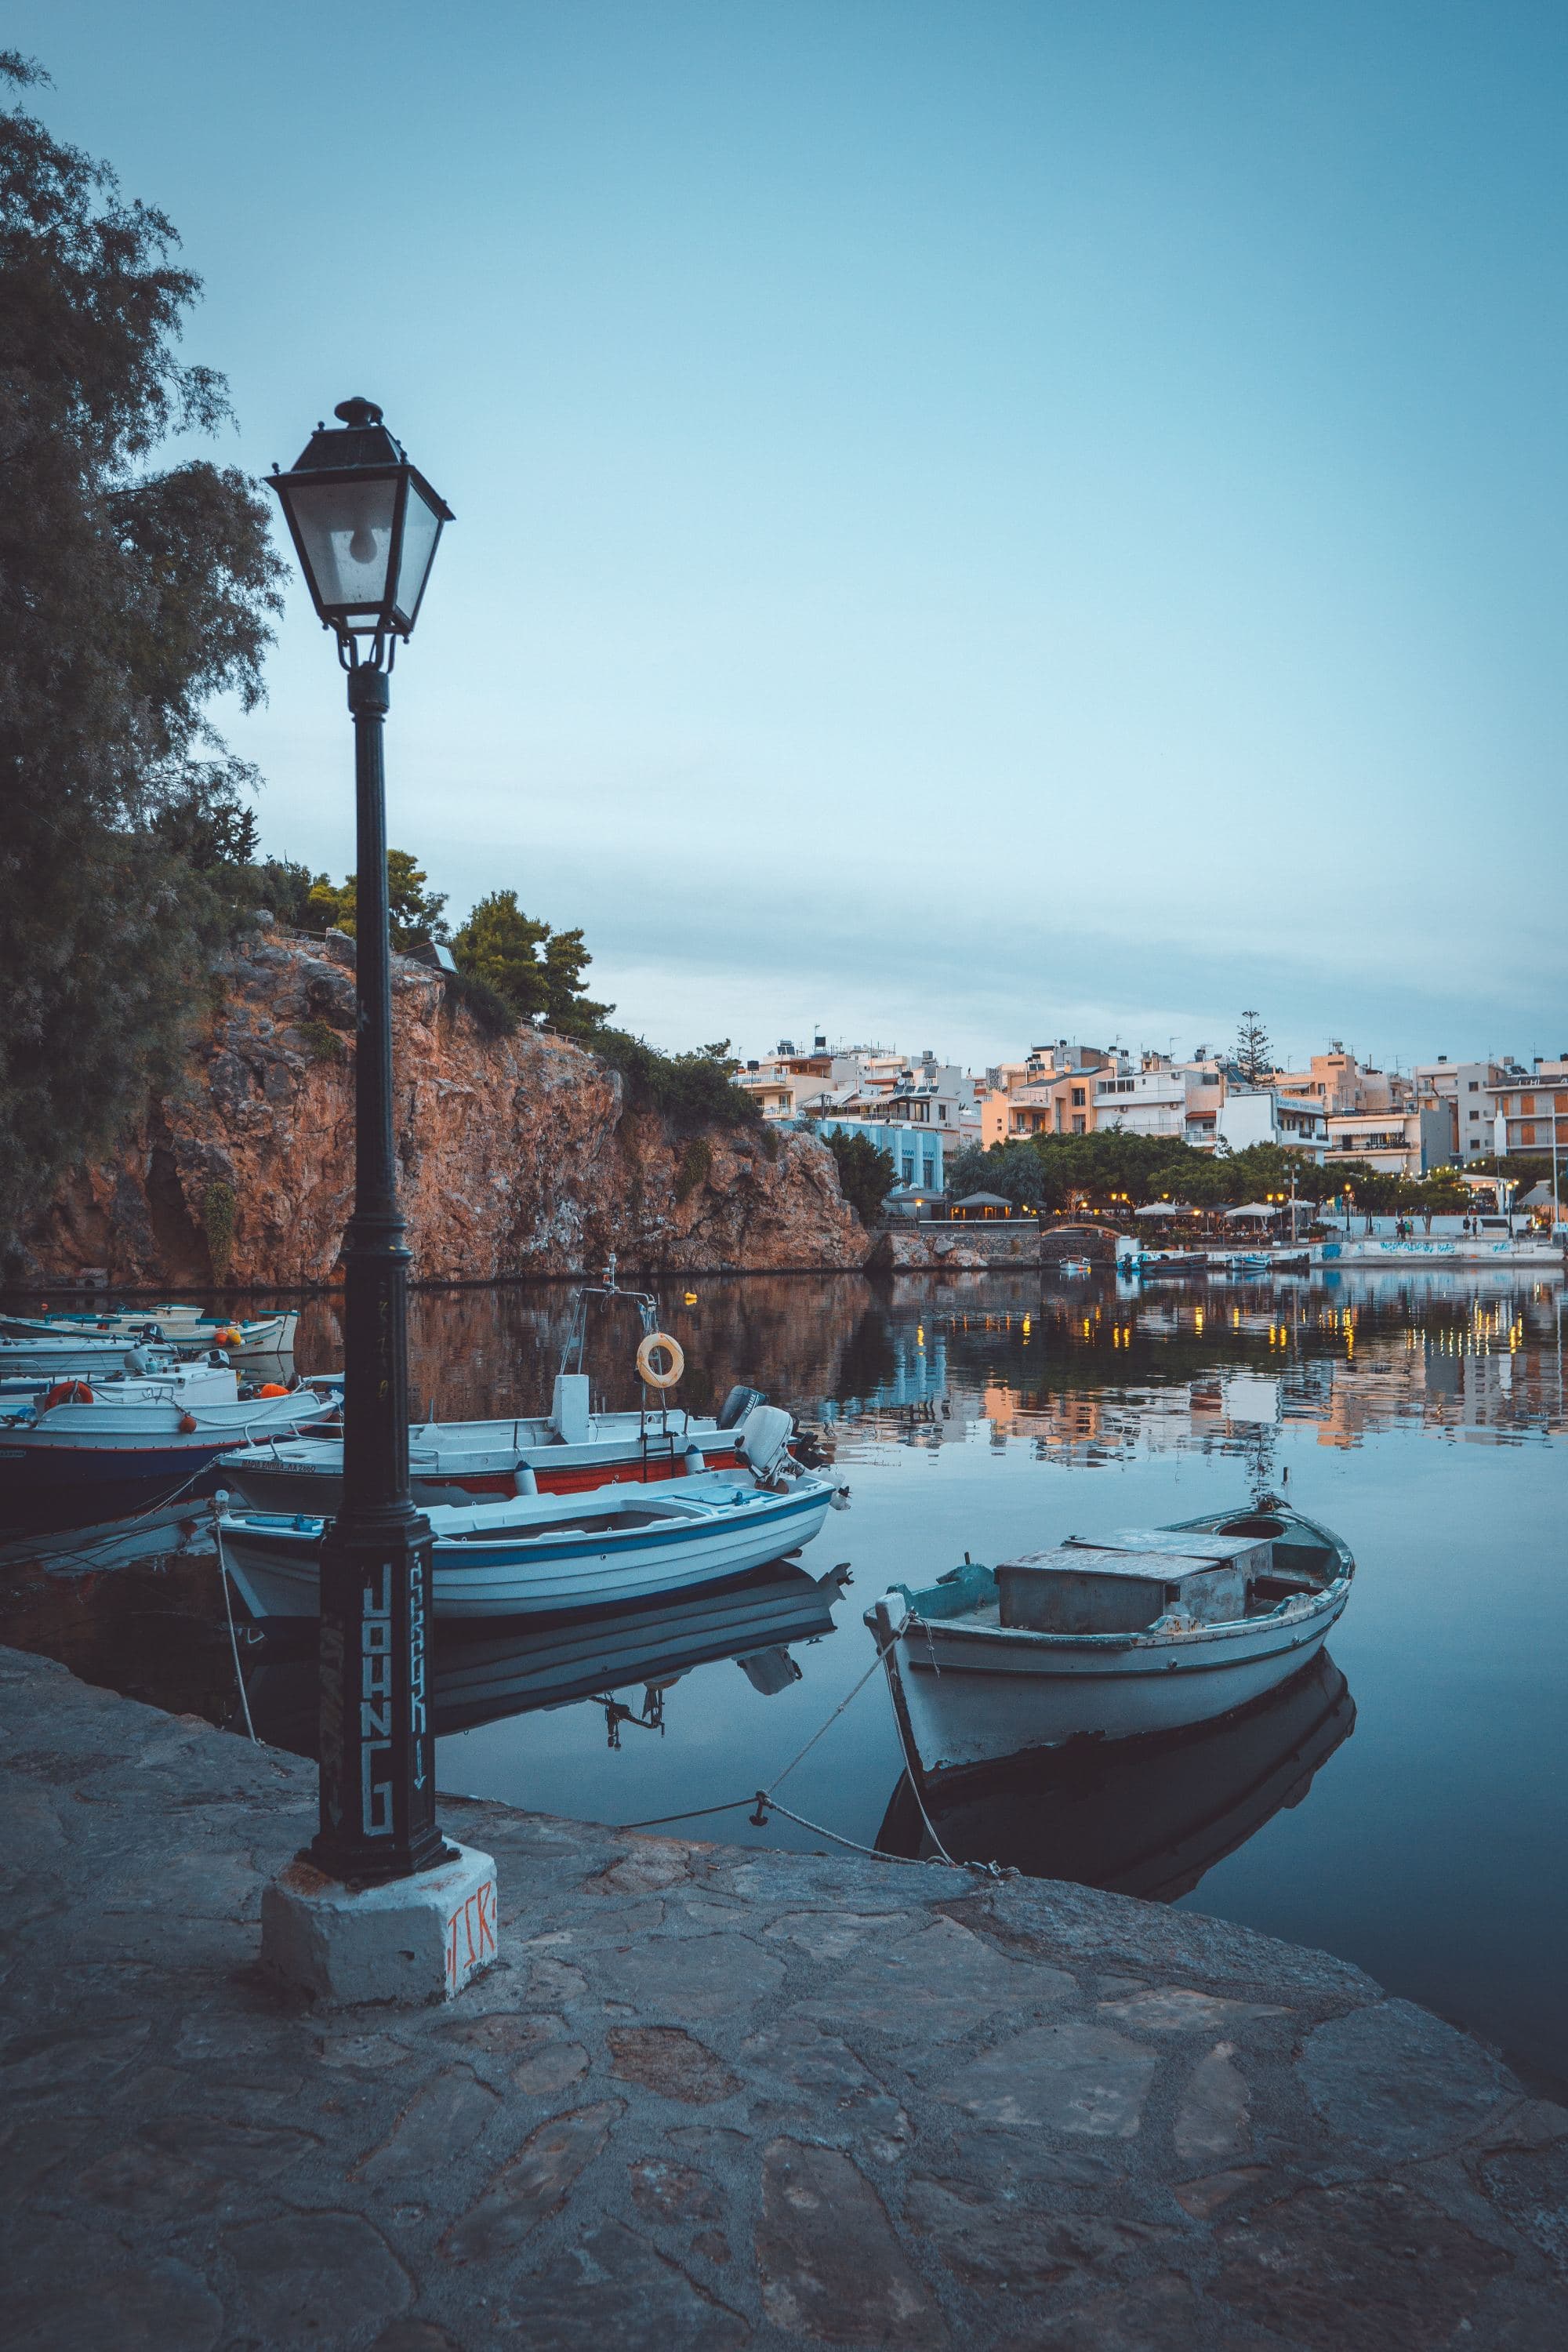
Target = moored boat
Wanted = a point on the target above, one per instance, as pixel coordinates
(181, 1328)
(1144, 1631)
(132, 1427)
(567, 1451)
(538, 1553)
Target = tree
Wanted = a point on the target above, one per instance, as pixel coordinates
(535, 971)
(414, 913)
(1254, 1053)
(130, 596)
(865, 1175)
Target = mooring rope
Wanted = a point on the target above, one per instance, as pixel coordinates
(763, 1801)
(233, 1637)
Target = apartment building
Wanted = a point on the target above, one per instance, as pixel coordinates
(1408, 1142)
(1528, 1106)
(1053, 1091)
(1468, 1089)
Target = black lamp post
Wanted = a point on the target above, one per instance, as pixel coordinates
(364, 524)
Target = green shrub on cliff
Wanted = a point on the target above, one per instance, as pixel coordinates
(691, 1091)
(217, 1216)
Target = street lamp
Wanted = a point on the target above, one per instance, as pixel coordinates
(365, 524)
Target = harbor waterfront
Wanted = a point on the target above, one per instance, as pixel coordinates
(1403, 1816)
(701, 2097)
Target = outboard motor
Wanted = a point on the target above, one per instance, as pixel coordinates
(737, 1404)
(763, 1442)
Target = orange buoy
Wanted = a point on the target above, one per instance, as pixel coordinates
(272, 1387)
(187, 1423)
(69, 1392)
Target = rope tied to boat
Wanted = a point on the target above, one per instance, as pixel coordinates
(764, 1801)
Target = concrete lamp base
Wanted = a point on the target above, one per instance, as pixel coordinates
(413, 1940)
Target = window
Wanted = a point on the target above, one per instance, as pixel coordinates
(941, 1113)
(1079, 1095)
(1475, 1086)
(1527, 1133)
(1080, 1124)
(1475, 1114)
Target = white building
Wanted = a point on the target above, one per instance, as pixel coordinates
(1468, 1089)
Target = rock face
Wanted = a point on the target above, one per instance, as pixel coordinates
(519, 1155)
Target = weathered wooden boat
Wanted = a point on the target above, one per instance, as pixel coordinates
(1145, 1817)
(533, 1553)
(567, 1451)
(1146, 1631)
(127, 1427)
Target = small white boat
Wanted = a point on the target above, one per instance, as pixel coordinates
(456, 1462)
(182, 1327)
(546, 1552)
(1144, 1631)
(132, 1427)
(45, 1355)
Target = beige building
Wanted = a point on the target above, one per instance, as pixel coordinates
(1052, 1092)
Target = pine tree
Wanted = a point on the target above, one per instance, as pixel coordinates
(1254, 1053)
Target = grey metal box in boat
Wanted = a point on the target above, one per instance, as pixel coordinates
(1075, 1588)
(1253, 1553)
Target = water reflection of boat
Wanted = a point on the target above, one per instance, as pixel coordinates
(484, 1677)
(1143, 1817)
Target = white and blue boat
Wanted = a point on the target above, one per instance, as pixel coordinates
(537, 1553)
(129, 1428)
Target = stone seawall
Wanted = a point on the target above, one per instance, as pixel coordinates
(519, 1155)
(709, 2097)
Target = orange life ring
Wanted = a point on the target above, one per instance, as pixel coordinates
(654, 1343)
(69, 1392)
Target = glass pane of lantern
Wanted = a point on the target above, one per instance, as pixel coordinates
(345, 528)
(421, 529)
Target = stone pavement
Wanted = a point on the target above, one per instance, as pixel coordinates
(707, 2099)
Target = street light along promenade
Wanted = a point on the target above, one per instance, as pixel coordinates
(365, 525)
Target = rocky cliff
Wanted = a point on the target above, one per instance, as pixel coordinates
(519, 1155)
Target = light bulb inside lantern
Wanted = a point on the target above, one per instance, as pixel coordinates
(362, 546)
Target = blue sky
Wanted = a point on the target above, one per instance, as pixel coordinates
(976, 523)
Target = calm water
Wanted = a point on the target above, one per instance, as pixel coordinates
(1406, 1807)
